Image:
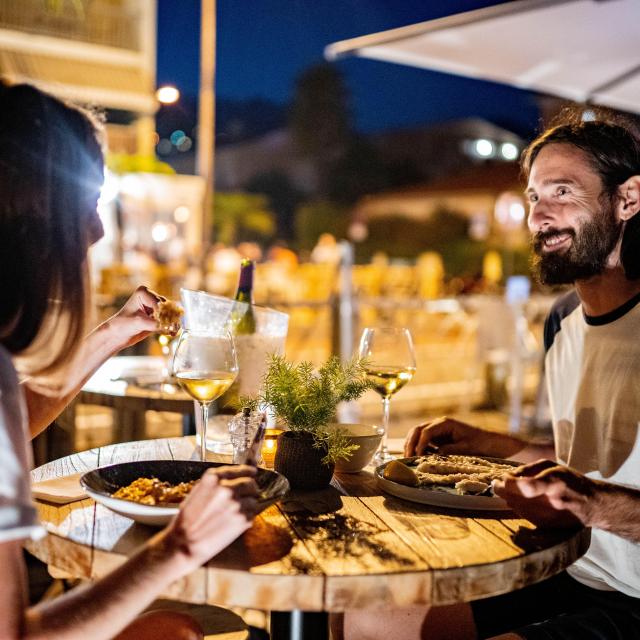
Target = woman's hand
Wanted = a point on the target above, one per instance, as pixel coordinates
(550, 495)
(135, 320)
(216, 511)
(446, 436)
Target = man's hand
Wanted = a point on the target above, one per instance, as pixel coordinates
(447, 435)
(135, 320)
(217, 510)
(550, 495)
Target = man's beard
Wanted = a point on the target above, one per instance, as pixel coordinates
(587, 255)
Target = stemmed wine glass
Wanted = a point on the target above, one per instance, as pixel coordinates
(205, 366)
(389, 363)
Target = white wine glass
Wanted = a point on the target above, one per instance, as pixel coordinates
(205, 366)
(389, 363)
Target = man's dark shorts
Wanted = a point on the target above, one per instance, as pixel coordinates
(559, 609)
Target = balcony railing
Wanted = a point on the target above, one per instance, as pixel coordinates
(95, 21)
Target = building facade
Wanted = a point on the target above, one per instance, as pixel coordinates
(96, 52)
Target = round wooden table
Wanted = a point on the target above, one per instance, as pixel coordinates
(349, 546)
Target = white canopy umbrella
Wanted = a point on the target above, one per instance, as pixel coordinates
(581, 50)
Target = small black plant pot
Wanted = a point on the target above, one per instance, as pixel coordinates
(301, 463)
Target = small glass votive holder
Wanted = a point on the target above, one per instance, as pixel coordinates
(270, 446)
(246, 431)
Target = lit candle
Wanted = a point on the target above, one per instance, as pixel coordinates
(269, 447)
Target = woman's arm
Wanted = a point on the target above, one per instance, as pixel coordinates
(216, 512)
(132, 323)
(13, 590)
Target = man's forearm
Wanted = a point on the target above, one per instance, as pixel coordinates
(532, 452)
(615, 509)
(502, 445)
(45, 404)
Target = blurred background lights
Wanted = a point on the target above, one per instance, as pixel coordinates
(516, 212)
(164, 147)
(181, 214)
(509, 151)
(484, 148)
(479, 227)
(184, 144)
(167, 94)
(160, 232)
(227, 260)
(177, 136)
(358, 231)
(509, 210)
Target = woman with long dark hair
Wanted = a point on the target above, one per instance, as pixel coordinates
(51, 171)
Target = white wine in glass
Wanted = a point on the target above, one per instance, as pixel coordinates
(205, 366)
(205, 386)
(390, 364)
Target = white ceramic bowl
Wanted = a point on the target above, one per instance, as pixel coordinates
(367, 437)
(101, 483)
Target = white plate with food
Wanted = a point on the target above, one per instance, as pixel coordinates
(150, 491)
(453, 481)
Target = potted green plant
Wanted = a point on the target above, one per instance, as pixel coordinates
(304, 401)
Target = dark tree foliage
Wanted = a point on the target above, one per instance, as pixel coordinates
(358, 172)
(400, 236)
(283, 198)
(320, 119)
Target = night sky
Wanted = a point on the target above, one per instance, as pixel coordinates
(263, 45)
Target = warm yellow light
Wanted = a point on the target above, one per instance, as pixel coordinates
(168, 94)
(269, 447)
(492, 267)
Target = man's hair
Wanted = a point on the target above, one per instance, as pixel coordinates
(612, 147)
(51, 170)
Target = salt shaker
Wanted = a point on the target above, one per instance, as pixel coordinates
(247, 431)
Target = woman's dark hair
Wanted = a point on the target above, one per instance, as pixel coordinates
(51, 171)
(613, 150)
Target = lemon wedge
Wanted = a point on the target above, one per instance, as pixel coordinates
(399, 472)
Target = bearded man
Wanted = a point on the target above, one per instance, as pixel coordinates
(583, 188)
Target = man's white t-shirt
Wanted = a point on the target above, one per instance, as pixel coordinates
(592, 368)
(18, 518)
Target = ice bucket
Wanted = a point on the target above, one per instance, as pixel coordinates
(209, 314)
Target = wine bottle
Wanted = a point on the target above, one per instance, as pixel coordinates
(243, 321)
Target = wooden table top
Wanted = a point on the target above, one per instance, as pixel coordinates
(367, 549)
